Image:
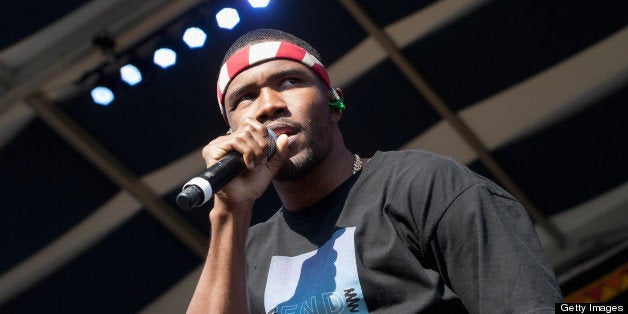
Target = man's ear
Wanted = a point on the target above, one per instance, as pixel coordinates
(337, 105)
(336, 99)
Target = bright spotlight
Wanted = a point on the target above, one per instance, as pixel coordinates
(194, 37)
(130, 74)
(259, 3)
(165, 57)
(227, 18)
(102, 95)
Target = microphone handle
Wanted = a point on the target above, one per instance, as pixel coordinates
(227, 168)
(201, 188)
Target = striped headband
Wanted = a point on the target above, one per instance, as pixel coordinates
(260, 52)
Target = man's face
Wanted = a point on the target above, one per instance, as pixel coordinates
(289, 98)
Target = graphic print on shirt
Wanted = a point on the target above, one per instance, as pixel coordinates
(322, 281)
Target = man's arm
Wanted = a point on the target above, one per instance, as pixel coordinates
(222, 285)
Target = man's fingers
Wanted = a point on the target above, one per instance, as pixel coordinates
(281, 153)
(215, 150)
(248, 141)
(255, 135)
(249, 147)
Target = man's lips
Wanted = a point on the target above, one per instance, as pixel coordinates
(283, 129)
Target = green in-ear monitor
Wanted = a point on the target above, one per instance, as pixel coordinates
(337, 103)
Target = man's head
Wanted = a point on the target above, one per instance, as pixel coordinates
(268, 44)
(268, 76)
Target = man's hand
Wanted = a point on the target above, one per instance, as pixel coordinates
(249, 140)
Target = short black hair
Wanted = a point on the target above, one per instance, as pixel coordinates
(268, 34)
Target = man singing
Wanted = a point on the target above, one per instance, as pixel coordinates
(400, 232)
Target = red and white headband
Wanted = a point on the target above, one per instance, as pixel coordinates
(260, 52)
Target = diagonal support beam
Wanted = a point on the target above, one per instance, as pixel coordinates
(109, 165)
(450, 116)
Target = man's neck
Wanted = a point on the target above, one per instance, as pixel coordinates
(325, 177)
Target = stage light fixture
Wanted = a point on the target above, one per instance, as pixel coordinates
(194, 37)
(259, 3)
(130, 74)
(227, 18)
(165, 57)
(102, 95)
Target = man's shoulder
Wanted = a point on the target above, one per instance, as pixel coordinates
(413, 155)
(425, 167)
(423, 172)
(419, 162)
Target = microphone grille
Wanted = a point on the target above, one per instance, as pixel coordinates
(272, 145)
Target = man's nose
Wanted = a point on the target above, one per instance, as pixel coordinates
(271, 104)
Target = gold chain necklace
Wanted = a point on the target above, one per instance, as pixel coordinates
(357, 163)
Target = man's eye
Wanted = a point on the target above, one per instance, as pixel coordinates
(242, 101)
(246, 97)
(289, 82)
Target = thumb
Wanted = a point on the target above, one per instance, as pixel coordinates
(281, 154)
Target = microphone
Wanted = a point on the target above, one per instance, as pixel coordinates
(201, 188)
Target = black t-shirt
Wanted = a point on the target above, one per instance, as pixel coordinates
(412, 232)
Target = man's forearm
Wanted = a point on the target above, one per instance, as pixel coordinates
(222, 285)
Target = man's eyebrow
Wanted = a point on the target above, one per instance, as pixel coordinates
(274, 76)
(288, 72)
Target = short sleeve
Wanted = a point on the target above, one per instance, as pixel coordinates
(488, 252)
